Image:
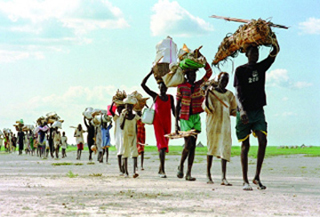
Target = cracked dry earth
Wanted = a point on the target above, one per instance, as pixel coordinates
(30, 186)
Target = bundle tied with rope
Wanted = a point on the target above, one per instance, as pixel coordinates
(119, 97)
(188, 59)
(255, 33)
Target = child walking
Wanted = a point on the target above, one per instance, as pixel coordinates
(128, 125)
(64, 144)
(79, 140)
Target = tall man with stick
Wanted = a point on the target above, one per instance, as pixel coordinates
(249, 82)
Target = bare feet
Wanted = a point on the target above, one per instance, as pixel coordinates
(209, 179)
(135, 175)
(180, 173)
(189, 178)
(260, 185)
(246, 187)
(225, 182)
(163, 175)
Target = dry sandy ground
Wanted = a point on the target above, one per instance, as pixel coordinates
(30, 186)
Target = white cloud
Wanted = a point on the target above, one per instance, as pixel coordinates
(7, 56)
(170, 18)
(79, 15)
(56, 23)
(280, 77)
(277, 77)
(311, 26)
(301, 84)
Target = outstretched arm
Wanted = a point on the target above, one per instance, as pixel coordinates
(146, 88)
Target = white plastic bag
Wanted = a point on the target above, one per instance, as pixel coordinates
(167, 50)
(88, 113)
(57, 124)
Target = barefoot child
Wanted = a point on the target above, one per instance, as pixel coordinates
(79, 140)
(57, 141)
(64, 144)
(128, 125)
(105, 134)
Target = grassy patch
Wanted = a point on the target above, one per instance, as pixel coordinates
(78, 164)
(235, 150)
(95, 174)
(91, 163)
(70, 174)
(62, 164)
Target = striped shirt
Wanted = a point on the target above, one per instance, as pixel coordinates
(194, 99)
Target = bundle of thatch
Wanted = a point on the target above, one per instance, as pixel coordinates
(119, 97)
(41, 120)
(141, 101)
(256, 32)
(181, 134)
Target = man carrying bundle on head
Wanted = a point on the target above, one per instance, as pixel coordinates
(249, 82)
(189, 101)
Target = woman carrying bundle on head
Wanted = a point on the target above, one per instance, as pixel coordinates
(219, 105)
(164, 104)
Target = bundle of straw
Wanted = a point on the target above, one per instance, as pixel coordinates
(181, 134)
(141, 101)
(257, 32)
(119, 97)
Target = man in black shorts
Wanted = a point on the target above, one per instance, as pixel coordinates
(249, 82)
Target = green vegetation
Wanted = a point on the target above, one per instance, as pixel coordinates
(71, 175)
(61, 164)
(236, 150)
(95, 174)
(78, 164)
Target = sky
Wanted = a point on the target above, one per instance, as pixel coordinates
(63, 56)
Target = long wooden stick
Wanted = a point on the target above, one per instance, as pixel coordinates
(219, 99)
(247, 21)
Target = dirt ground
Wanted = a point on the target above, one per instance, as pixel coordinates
(30, 186)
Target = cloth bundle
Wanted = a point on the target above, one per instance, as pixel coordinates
(188, 60)
(101, 118)
(52, 117)
(57, 124)
(257, 32)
